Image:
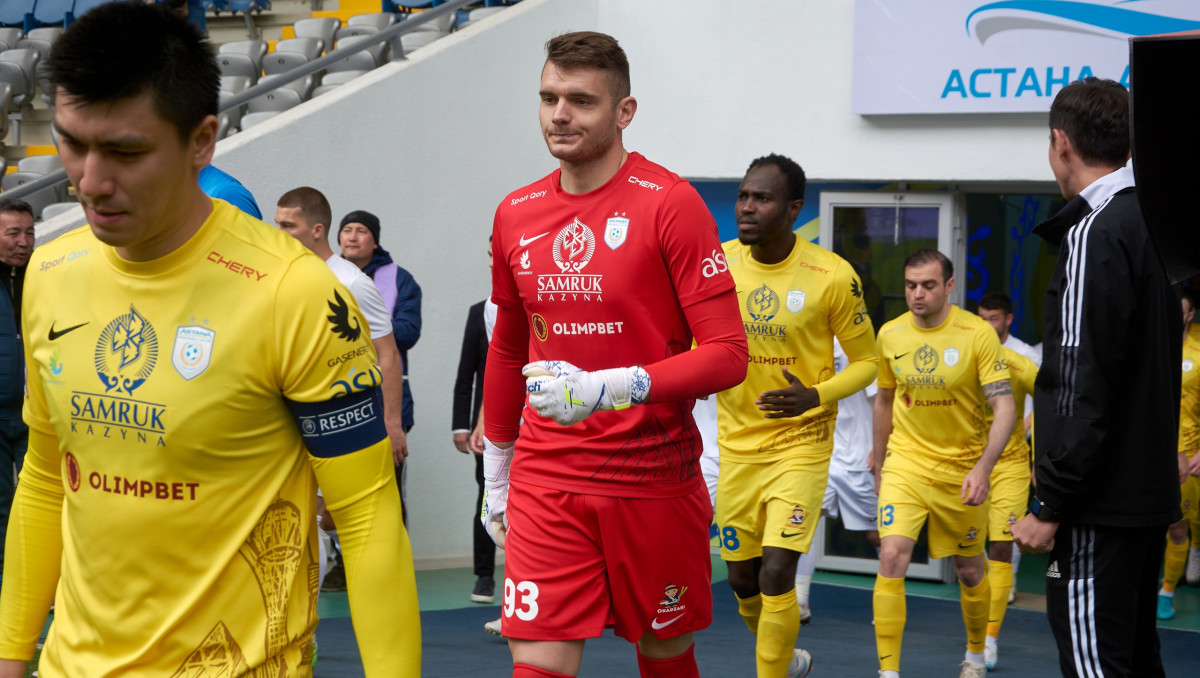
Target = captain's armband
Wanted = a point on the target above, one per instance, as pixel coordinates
(341, 425)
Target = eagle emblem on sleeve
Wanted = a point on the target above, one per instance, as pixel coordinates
(344, 326)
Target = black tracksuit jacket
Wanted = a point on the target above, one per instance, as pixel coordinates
(1106, 403)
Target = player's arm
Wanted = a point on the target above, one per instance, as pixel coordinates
(360, 492)
(391, 368)
(340, 415)
(464, 381)
(881, 423)
(568, 395)
(1004, 418)
(32, 550)
(797, 398)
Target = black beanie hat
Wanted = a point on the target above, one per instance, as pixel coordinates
(362, 217)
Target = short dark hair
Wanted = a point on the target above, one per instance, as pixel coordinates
(996, 301)
(927, 255)
(589, 49)
(120, 50)
(16, 205)
(792, 172)
(312, 203)
(1094, 114)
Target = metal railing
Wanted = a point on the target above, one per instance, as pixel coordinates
(282, 79)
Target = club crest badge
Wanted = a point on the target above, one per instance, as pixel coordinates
(950, 357)
(615, 230)
(192, 351)
(1187, 366)
(795, 301)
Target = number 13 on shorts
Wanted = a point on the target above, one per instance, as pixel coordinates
(520, 599)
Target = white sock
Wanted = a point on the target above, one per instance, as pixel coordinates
(989, 642)
(1016, 561)
(889, 674)
(804, 571)
(1168, 594)
(975, 658)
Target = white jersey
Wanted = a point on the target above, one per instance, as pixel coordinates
(852, 433)
(489, 317)
(1034, 354)
(365, 293)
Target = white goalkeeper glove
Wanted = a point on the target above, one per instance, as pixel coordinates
(493, 513)
(562, 392)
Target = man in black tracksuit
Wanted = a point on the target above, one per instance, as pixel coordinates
(1106, 407)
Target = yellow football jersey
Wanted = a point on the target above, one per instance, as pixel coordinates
(165, 395)
(939, 415)
(791, 312)
(1189, 397)
(1022, 374)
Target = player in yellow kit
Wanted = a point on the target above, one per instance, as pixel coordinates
(776, 428)
(1175, 557)
(940, 368)
(192, 373)
(1009, 487)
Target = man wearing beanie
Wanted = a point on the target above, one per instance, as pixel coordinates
(358, 237)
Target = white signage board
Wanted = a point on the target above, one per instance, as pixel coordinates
(976, 56)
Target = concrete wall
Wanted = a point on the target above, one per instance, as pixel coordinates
(433, 143)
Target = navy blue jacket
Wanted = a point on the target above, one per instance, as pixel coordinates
(402, 295)
(12, 355)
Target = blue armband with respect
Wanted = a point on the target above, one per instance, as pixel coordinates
(342, 425)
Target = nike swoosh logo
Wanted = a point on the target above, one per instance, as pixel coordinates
(785, 535)
(901, 355)
(56, 334)
(656, 625)
(525, 242)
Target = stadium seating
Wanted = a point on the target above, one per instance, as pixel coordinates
(9, 36)
(302, 86)
(17, 13)
(42, 47)
(26, 59)
(380, 20)
(56, 208)
(283, 61)
(53, 12)
(238, 64)
(234, 83)
(37, 199)
(255, 49)
(40, 164)
(354, 31)
(374, 55)
(310, 47)
(324, 28)
(278, 100)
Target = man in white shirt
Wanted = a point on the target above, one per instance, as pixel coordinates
(304, 213)
(996, 308)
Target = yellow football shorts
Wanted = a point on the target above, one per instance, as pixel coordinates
(1009, 498)
(907, 500)
(775, 503)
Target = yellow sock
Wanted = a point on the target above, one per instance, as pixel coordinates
(751, 609)
(1174, 560)
(1000, 579)
(777, 630)
(890, 614)
(975, 602)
